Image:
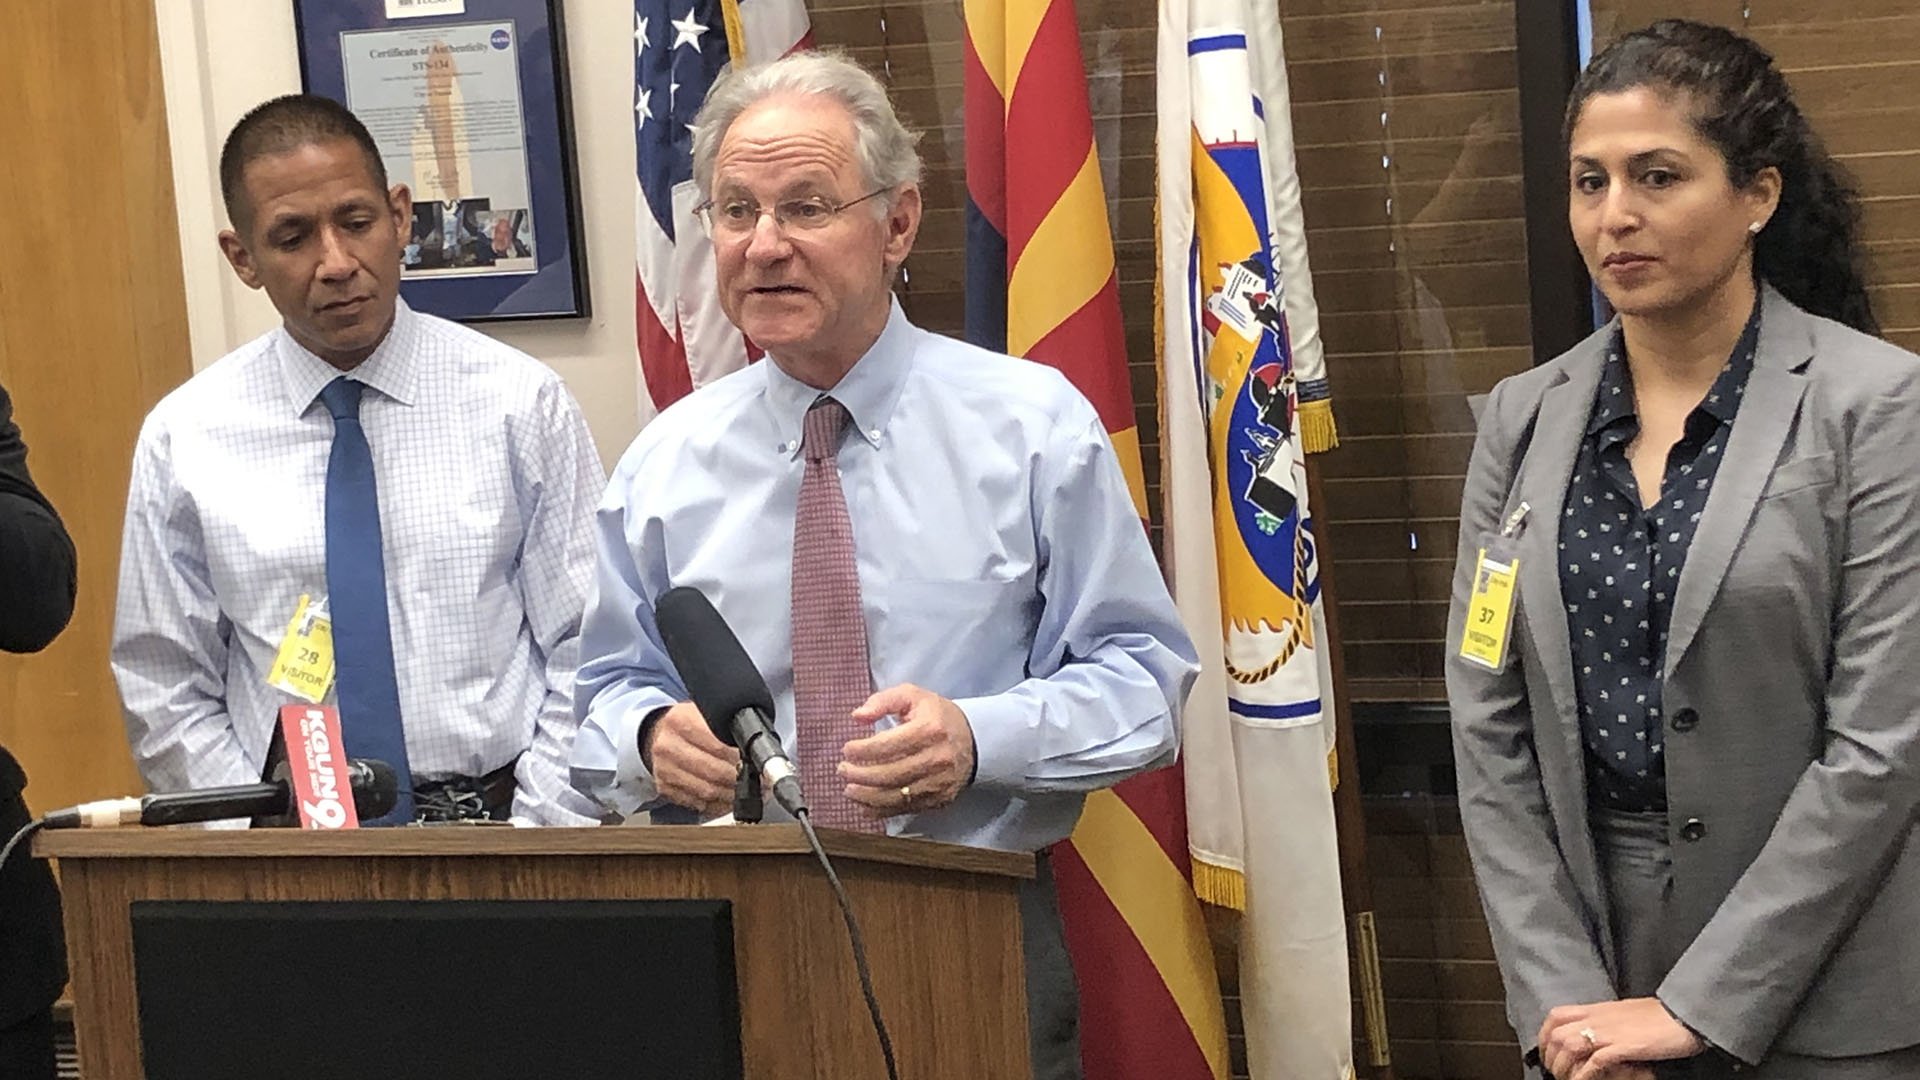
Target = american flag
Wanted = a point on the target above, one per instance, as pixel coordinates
(680, 47)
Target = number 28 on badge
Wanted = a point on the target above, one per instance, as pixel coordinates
(304, 666)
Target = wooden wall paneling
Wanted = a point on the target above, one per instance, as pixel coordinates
(1445, 999)
(1355, 78)
(1407, 118)
(1836, 93)
(1411, 160)
(1896, 262)
(1396, 29)
(1769, 13)
(1794, 45)
(92, 332)
(1611, 18)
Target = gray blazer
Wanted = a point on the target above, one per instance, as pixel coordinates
(1795, 638)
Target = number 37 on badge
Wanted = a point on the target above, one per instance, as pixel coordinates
(1483, 641)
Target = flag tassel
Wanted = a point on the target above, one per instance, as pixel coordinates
(1219, 885)
(1317, 431)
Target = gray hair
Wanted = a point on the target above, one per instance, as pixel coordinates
(884, 147)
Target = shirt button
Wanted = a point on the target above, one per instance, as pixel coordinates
(1693, 830)
(1685, 719)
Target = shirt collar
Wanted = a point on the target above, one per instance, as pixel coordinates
(869, 390)
(1613, 401)
(1723, 397)
(391, 369)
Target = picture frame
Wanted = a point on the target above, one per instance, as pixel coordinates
(468, 102)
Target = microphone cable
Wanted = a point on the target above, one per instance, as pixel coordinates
(859, 945)
(20, 837)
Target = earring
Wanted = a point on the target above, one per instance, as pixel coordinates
(1756, 227)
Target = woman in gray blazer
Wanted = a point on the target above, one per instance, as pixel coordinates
(1684, 658)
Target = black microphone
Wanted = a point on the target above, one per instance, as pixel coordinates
(726, 687)
(375, 789)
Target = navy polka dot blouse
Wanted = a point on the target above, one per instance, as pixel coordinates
(1620, 564)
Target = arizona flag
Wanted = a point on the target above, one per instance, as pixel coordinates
(1244, 387)
(679, 49)
(1041, 284)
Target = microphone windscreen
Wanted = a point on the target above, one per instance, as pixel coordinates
(713, 665)
(375, 795)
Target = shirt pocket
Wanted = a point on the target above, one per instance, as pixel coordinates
(1812, 471)
(956, 637)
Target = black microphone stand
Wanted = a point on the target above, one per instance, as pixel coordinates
(748, 805)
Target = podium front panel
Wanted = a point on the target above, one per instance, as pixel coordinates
(315, 989)
(942, 927)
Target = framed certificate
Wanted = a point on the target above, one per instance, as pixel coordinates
(467, 101)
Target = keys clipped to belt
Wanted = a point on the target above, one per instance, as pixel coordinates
(467, 799)
(435, 802)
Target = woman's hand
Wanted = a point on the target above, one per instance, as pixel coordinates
(1592, 1042)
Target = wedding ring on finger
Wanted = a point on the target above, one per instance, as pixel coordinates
(1593, 1041)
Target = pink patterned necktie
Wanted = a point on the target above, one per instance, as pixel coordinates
(830, 673)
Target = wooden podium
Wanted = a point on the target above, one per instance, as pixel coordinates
(941, 924)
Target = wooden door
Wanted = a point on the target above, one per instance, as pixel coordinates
(93, 330)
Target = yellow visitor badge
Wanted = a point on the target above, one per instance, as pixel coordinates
(1483, 640)
(304, 667)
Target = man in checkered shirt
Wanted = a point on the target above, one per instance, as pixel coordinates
(485, 479)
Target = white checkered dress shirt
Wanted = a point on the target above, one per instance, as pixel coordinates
(487, 480)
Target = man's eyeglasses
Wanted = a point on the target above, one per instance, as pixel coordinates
(737, 217)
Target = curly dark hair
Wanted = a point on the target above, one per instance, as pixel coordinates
(1810, 249)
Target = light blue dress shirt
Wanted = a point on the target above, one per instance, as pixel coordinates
(1001, 565)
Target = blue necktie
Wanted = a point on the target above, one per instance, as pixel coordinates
(369, 692)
